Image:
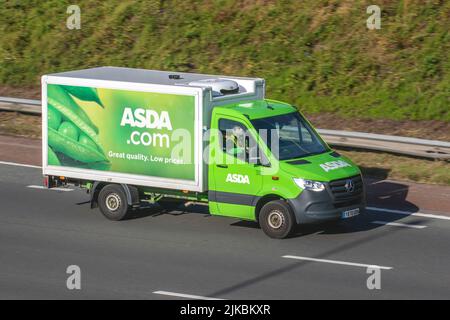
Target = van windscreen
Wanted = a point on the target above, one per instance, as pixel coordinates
(289, 136)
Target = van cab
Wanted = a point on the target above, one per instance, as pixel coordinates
(284, 173)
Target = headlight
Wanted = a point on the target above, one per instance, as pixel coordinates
(309, 184)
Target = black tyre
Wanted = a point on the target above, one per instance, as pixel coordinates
(276, 219)
(112, 202)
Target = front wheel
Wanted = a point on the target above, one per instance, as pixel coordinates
(276, 219)
(112, 202)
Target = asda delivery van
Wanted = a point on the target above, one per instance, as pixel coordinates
(131, 136)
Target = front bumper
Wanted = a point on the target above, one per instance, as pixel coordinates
(316, 207)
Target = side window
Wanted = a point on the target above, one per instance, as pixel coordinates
(238, 142)
(233, 137)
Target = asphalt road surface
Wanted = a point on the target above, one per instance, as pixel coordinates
(168, 255)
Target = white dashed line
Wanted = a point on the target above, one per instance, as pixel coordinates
(352, 264)
(396, 224)
(415, 214)
(184, 295)
(20, 165)
(52, 189)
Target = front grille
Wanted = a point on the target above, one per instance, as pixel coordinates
(340, 191)
(349, 203)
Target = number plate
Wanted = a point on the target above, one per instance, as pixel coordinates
(350, 213)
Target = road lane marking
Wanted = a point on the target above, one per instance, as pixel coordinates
(353, 264)
(396, 224)
(184, 295)
(52, 189)
(20, 165)
(416, 214)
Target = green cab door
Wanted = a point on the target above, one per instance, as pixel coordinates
(234, 179)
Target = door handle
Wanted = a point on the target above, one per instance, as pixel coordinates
(222, 166)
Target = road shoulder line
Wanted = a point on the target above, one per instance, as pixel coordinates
(184, 295)
(20, 165)
(396, 224)
(416, 214)
(352, 264)
(51, 189)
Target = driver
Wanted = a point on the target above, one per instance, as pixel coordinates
(235, 140)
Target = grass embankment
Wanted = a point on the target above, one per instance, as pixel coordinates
(21, 125)
(317, 54)
(389, 166)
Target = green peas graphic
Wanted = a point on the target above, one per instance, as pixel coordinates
(69, 130)
(63, 102)
(69, 162)
(85, 140)
(70, 115)
(84, 93)
(54, 118)
(73, 148)
(53, 158)
(72, 137)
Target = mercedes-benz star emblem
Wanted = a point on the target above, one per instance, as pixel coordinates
(349, 185)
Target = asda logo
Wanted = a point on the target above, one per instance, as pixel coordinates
(333, 165)
(146, 118)
(238, 178)
(150, 119)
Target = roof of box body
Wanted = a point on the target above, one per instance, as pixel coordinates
(140, 75)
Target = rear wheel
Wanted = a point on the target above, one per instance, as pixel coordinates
(276, 219)
(112, 202)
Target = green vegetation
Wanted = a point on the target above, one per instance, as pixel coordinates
(317, 54)
(19, 124)
(385, 165)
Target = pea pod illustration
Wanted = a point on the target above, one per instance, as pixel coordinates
(70, 137)
(70, 115)
(64, 103)
(54, 118)
(69, 162)
(84, 93)
(53, 158)
(72, 148)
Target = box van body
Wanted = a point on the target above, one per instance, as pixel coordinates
(131, 136)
